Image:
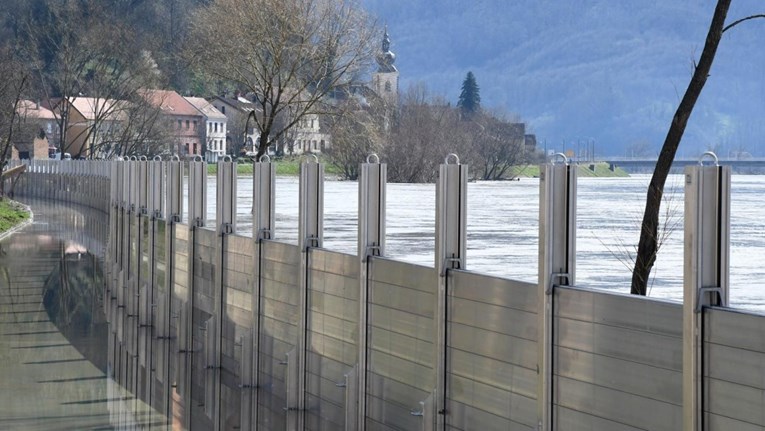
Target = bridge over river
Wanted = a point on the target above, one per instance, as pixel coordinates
(630, 163)
(208, 328)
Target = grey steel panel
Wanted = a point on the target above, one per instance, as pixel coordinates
(493, 318)
(332, 348)
(493, 345)
(281, 252)
(402, 346)
(401, 370)
(324, 366)
(721, 423)
(334, 263)
(372, 425)
(465, 417)
(395, 392)
(735, 365)
(280, 292)
(325, 393)
(492, 400)
(403, 274)
(279, 330)
(281, 272)
(610, 404)
(205, 238)
(494, 290)
(734, 328)
(731, 400)
(493, 372)
(182, 232)
(634, 346)
(332, 306)
(342, 330)
(333, 284)
(403, 298)
(401, 322)
(651, 382)
(572, 420)
(625, 311)
(395, 416)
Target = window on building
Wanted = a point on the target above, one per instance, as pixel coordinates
(187, 124)
(312, 124)
(195, 125)
(223, 110)
(216, 127)
(179, 124)
(388, 86)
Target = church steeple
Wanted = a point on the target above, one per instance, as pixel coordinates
(386, 58)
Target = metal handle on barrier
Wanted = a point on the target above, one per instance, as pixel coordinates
(709, 154)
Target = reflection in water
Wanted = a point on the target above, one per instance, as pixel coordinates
(52, 328)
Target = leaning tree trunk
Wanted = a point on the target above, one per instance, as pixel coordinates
(648, 245)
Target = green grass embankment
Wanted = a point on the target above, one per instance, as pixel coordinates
(11, 214)
(285, 166)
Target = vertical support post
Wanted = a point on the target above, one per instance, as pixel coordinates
(706, 274)
(310, 234)
(373, 178)
(263, 218)
(197, 219)
(451, 246)
(557, 259)
(226, 220)
(154, 318)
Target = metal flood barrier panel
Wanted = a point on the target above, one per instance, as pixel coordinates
(278, 338)
(238, 260)
(491, 353)
(618, 362)
(332, 340)
(401, 350)
(202, 321)
(734, 370)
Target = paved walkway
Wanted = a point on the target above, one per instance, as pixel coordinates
(45, 382)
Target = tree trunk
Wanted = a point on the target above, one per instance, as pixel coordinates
(648, 244)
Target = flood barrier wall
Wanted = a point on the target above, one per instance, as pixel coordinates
(223, 331)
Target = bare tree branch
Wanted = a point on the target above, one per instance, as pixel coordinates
(739, 21)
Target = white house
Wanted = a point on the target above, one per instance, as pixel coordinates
(214, 132)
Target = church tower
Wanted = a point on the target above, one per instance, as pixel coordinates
(385, 80)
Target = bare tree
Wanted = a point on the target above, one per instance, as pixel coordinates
(649, 236)
(14, 84)
(422, 132)
(357, 131)
(90, 52)
(498, 144)
(289, 53)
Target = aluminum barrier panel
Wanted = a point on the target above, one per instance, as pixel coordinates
(617, 362)
(202, 369)
(401, 350)
(332, 339)
(280, 272)
(734, 369)
(491, 353)
(181, 259)
(238, 260)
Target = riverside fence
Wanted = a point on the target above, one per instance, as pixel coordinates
(218, 330)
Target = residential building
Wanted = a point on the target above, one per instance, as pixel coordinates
(39, 130)
(307, 136)
(214, 131)
(90, 123)
(243, 135)
(186, 123)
